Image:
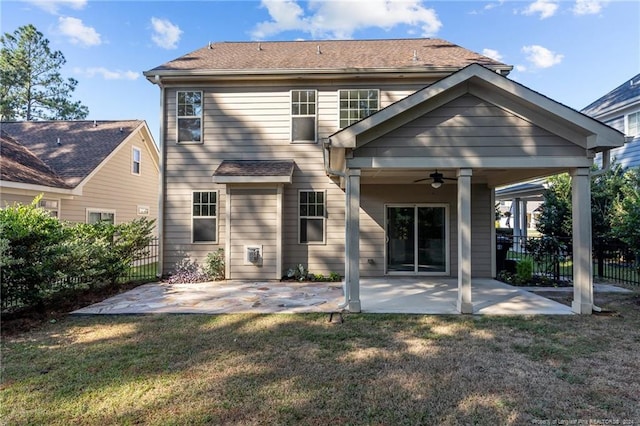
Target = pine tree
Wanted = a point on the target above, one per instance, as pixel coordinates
(31, 87)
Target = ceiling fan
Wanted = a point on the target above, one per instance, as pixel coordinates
(437, 179)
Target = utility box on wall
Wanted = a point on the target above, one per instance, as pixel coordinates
(253, 255)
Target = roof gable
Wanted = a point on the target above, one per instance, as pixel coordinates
(71, 149)
(487, 85)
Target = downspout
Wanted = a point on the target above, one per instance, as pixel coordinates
(161, 142)
(326, 155)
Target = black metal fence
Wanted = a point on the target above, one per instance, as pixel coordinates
(143, 270)
(550, 259)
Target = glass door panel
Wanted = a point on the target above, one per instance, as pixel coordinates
(400, 239)
(431, 239)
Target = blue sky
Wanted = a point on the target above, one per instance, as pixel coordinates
(571, 51)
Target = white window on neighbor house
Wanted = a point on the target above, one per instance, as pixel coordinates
(52, 205)
(354, 105)
(101, 215)
(303, 116)
(204, 217)
(311, 213)
(189, 117)
(136, 158)
(633, 124)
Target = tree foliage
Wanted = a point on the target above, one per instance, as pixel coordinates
(555, 213)
(39, 255)
(625, 212)
(31, 87)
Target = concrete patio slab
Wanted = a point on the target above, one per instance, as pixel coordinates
(405, 295)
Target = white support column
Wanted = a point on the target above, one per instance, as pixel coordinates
(279, 196)
(464, 305)
(352, 239)
(517, 219)
(227, 233)
(582, 266)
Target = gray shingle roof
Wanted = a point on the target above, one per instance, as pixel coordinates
(18, 164)
(356, 55)
(83, 144)
(238, 168)
(619, 97)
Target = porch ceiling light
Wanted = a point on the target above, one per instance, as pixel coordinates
(437, 179)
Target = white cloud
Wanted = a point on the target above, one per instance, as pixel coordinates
(589, 7)
(521, 68)
(77, 32)
(341, 18)
(107, 74)
(165, 34)
(493, 54)
(52, 6)
(541, 57)
(546, 8)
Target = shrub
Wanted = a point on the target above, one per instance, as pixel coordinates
(31, 250)
(214, 265)
(524, 271)
(187, 271)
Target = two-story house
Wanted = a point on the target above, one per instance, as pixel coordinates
(85, 170)
(620, 109)
(366, 157)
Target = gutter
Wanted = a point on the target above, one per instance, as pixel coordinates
(326, 145)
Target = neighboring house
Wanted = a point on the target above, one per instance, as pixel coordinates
(620, 109)
(366, 157)
(86, 171)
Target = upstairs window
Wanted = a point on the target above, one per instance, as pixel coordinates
(136, 158)
(303, 116)
(633, 124)
(311, 208)
(357, 104)
(205, 217)
(189, 117)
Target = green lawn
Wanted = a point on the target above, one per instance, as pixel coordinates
(301, 369)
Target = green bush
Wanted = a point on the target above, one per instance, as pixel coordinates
(40, 255)
(32, 248)
(524, 271)
(214, 265)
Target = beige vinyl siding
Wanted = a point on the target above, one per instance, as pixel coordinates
(470, 127)
(114, 187)
(253, 222)
(243, 122)
(9, 198)
(375, 198)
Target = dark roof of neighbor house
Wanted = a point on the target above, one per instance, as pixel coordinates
(238, 168)
(621, 96)
(70, 149)
(356, 55)
(18, 164)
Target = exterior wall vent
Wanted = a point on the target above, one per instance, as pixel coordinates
(253, 255)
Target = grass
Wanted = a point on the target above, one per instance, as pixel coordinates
(301, 369)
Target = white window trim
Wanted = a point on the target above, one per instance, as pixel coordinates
(291, 116)
(133, 161)
(99, 210)
(627, 130)
(346, 90)
(217, 216)
(57, 200)
(201, 116)
(324, 219)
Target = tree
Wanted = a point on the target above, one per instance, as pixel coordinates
(31, 87)
(626, 211)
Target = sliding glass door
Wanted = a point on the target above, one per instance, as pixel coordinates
(417, 239)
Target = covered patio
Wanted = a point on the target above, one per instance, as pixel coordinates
(470, 132)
